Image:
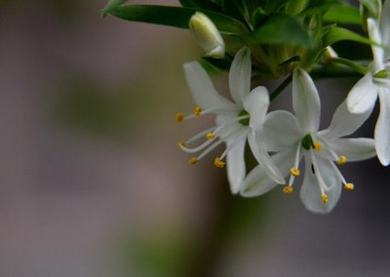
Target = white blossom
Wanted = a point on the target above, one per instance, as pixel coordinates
(376, 83)
(298, 137)
(237, 121)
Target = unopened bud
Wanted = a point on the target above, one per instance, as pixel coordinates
(207, 35)
(329, 54)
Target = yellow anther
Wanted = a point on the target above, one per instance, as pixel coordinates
(317, 146)
(219, 163)
(193, 160)
(180, 117)
(288, 190)
(295, 171)
(342, 160)
(210, 135)
(181, 144)
(197, 111)
(349, 187)
(324, 198)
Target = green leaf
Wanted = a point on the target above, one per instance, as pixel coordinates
(337, 34)
(344, 14)
(176, 17)
(281, 30)
(203, 4)
(373, 7)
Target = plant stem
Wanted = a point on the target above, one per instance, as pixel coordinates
(281, 87)
(351, 64)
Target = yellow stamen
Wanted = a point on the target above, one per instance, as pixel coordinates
(193, 160)
(288, 190)
(324, 198)
(219, 163)
(342, 160)
(181, 144)
(317, 146)
(197, 111)
(210, 136)
(295, 171)
(180, 117)
(349, 187)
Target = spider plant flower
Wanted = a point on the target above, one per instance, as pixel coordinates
(207, 35)
(376, 84)
(297, 138)
(237, 121)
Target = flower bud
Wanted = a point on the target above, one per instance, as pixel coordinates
(329, 54)
(207, 35)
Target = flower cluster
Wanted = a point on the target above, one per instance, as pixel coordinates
(289, 39)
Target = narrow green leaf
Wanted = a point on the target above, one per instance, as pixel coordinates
(176, 17)
(344, 14)
(203, 4)
(281, 29)
(337, 34)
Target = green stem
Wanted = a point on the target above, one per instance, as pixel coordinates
(280, 88)
(356, 67)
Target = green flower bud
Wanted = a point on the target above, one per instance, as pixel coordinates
(207, 35)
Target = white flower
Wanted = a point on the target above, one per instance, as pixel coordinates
(207, 35)
(235, 122)
(376, 83)
(296, 137)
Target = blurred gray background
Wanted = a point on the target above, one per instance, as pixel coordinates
(92, 183)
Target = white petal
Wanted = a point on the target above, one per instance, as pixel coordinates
(344, 122)
(264, 159)
(363, 95)
(377, 51)
(258, 181)
(280, 131)
(240, 75)
(310, 193)
(385, 23)
(355, 149)
(236, 164)
(382, 128)
(202, 88)
(306, 101)
(256, 104)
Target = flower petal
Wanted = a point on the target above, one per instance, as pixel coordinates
(202, 88)
(385, 23)
(258, 181)
(306, 101)
(256, 104)
(382, 128)
(240, 75)
(344, 122)
(377, 51)
(236, 164)
(264, 159)
(310, 193)
(280, 131)
(363, 95)
(355, 149)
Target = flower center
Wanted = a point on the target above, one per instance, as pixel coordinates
(307, 142)
(382, 74)
(244, 121)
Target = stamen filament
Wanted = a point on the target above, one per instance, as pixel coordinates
(295, 166)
